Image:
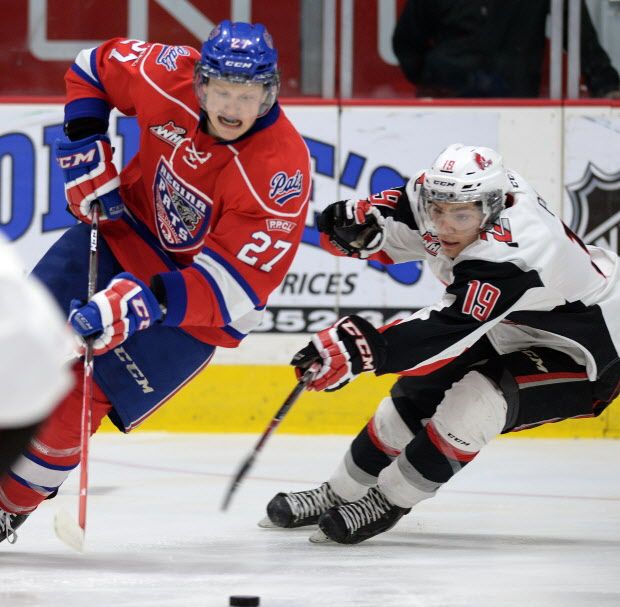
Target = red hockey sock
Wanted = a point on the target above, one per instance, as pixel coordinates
(53, 452)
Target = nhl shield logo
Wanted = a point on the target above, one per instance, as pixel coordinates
(595, 201)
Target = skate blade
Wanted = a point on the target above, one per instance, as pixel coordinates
(265, 523)
(318, 537)
(68, 530)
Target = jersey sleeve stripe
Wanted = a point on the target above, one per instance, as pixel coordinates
(234, 297)
(216, 290)
(236, 275)
(85, 67)
(234, 333)
(87, 107)
(248, 322)
(425, 369)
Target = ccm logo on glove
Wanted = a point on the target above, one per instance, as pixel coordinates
(361, 343)
(340, 353)
(113, 315)
(90, 175)
(68, 162)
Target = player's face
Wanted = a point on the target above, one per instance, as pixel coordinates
(232, 107)
(457, 225)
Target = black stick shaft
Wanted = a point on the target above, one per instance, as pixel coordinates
(275, 422)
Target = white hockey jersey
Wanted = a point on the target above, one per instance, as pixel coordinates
(35, 346)
(527, 281)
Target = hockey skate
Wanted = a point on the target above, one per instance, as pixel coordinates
(357, 521)
(289, 510)
(8, 523)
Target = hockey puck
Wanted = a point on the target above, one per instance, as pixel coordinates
(244, 601)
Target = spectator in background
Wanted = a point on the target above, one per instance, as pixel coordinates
(489, 48)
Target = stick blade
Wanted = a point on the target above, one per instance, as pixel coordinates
(68, 530)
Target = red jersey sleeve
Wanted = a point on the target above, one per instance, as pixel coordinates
(107, 76)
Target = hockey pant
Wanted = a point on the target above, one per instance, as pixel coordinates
(147, 369)
(432, 426)
(54, 451)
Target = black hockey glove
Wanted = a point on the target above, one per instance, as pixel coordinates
(354, 227)
(340, 353)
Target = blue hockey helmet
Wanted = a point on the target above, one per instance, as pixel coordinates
(241, 53)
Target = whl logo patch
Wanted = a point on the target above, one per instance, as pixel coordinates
(431, 243)
(182, 213)
(595, 201)
(282, 187)
(169, 132)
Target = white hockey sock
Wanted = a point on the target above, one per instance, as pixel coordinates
(344, 485)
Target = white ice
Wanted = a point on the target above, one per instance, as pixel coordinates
(529, 523)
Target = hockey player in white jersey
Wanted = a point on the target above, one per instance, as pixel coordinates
(35, 348)
(526, 333)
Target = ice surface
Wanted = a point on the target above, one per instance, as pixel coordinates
(529, 523)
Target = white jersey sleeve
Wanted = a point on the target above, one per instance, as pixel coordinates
(35, 346)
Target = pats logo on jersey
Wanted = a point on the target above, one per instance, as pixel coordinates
(182, 213)
(282, 187)
(595, 201)
(169, 132)
(168, 56)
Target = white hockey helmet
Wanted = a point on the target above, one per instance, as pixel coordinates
(463, 174)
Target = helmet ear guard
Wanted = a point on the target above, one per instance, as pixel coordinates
(463, 174)
(241, 53)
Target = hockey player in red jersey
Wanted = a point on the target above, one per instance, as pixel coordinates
(198, 229)
(527, 333)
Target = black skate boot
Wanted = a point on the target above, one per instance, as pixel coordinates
(8, 523)
(357, 521)
(291, 510)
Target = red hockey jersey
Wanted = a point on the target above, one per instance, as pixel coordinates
(219, 221)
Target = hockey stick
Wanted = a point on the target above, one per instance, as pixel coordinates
(66, 528)
(275, 422)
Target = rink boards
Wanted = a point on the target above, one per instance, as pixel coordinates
(244, 398)
(570, 153)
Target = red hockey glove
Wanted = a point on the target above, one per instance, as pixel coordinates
(341, 352)
(354, 227)
(127, 305)
(90, 175)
